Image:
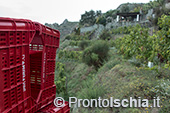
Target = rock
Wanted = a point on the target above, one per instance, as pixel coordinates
(65, 28)
(167, 5)
(65, 22)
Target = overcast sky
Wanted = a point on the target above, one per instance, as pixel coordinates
(51, 11)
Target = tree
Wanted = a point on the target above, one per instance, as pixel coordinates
(98, 13)
(124, 9)
(88, 18)
(101, 20)
(161, 2)
(111, 13)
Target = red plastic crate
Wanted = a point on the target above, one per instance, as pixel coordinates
(52, 109)
(14, 64)
(27, 65)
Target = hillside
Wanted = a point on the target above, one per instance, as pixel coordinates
(65, 28)
(131, 6)
(129, 60)
(118, 68)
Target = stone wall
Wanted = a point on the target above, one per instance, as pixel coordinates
(167, 5)
(122, 24)
(98, 29)
(87, 29)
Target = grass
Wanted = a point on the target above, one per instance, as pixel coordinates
(118, 78)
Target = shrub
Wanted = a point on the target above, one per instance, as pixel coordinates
(83, 44)
(124, 9)
(111, 43)
(73, 43)
(105, 35)
(101, 20)
(60, 78)
(68, 37)
(137, 43)
(96, 54)
(65, 54)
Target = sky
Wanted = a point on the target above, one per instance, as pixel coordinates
(56, 11)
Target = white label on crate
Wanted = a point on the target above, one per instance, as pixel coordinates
(23, 73)
(44, 67)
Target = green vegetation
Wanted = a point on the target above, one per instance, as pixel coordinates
(107, 67)
(65, 54)
(122, 30)
(89, 17)
(84, 44)
(101, 20)
(125, 9)
(111, 13)
(92, 17)
(61, 78)
(105, 35)
(145, 47)
(96, 54)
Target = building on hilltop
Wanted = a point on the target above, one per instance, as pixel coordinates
(128, 17)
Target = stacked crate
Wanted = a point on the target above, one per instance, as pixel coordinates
(27, 65)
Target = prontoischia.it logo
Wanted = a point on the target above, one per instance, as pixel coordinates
(111, 102)
(59, 102)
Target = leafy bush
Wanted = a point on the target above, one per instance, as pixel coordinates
(73, 43)
(96, 54)
(111, 13)
(76, 55)
(101, 20)
(83, 44)
(135, 44)
(105, 35)
(145, 47)
(68, 37)
(61, 78)
(111, 43)
(88, 17)
(124, 9)
(65, 44)
(123, 30)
